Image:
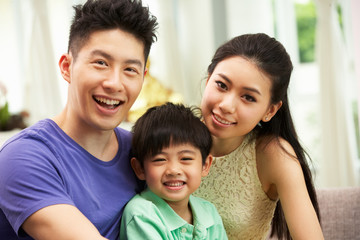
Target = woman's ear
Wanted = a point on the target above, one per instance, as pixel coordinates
(206, 166)
(138, 169)
(271, 111)
(64, 65)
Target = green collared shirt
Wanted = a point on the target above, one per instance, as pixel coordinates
(148, 216)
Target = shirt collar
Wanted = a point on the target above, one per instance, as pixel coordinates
(174, 221)
(202, 218)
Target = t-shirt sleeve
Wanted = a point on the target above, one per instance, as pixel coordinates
(29, 180)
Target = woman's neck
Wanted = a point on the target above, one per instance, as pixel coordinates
(224, 146)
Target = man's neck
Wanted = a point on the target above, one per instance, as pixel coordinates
(101, 144)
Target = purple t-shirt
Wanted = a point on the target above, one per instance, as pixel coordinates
(43, 166)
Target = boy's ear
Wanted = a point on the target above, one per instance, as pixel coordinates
(207, 165)
(138, 169)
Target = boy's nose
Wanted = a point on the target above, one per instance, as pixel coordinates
(173, 170)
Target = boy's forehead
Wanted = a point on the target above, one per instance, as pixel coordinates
(181, 146)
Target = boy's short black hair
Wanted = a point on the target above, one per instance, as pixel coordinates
(169, 124)
(97, 15)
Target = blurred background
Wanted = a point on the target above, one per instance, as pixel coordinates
(321, 36)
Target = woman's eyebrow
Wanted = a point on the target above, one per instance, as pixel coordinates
(246, 88)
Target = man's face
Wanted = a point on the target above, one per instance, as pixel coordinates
(105, 79)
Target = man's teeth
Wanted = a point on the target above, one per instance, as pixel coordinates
(176, 184)
(222, 120)
(108, 101)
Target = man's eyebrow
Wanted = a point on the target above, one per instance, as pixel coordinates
(134, 61)
(246, 88)
(101, 53)
(110, 57)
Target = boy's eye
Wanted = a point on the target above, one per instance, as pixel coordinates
(158, 160)
(187, 158)
(221, 85)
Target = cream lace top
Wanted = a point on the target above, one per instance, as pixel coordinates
(234, 187)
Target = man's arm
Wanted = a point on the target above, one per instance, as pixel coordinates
(60, 221)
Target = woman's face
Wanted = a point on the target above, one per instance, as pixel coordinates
(236, 97)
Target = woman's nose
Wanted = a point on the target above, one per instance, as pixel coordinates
(228, 104)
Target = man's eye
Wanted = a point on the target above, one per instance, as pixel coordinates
(186, 158)
(132, 70)
(101, 62)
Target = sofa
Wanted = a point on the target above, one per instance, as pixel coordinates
(340, 213)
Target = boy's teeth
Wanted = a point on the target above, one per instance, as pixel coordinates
(108, 101)
(177, 184)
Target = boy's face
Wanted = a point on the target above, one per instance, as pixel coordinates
(104, 80)
(174, 173)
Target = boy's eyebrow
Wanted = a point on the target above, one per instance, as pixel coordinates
(110, 57)
(180, 152)
(186, 151)
(246, 88)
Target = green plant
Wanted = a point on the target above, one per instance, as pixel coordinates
(4, 116)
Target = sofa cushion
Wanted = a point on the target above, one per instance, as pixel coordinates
(340, 212)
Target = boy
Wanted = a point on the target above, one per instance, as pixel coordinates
(171, 153)
(68, 177)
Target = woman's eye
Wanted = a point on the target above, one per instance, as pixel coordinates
(221, 85)
(249, 98)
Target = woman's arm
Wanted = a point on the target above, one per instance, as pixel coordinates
(282, 177)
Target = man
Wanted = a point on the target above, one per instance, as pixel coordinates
(69, 177)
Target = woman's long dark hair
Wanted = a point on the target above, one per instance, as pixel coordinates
(271, 58)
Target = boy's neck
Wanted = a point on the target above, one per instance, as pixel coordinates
(184, 211)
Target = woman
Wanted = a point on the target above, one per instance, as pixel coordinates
(259, 164)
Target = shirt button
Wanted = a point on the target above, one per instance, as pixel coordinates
(183, 230)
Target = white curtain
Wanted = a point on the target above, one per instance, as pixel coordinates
(185, 46)
(337, 166)
(355, 27)
(42, 95)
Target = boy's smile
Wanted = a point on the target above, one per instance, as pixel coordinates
(175, 173)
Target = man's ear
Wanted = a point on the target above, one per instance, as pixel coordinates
(206, 166)
(64, 65)
(138, 169)
(145, 72)
(271, 111)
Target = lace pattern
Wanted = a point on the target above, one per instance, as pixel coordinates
(233, 186)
